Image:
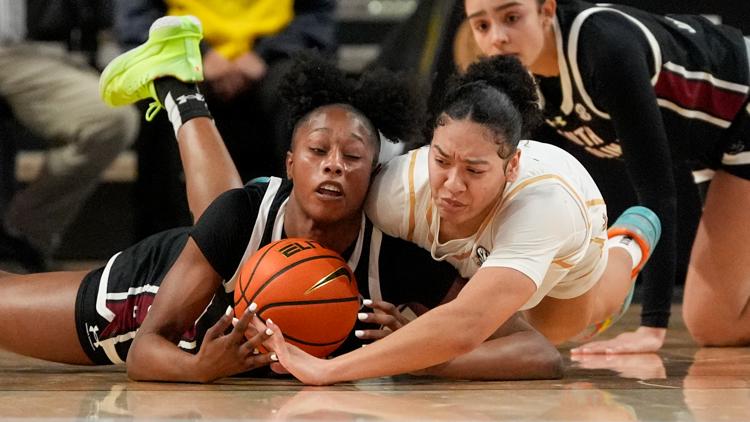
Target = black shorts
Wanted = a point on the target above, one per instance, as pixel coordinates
(113, 301)
(108, 314)
(735, 151)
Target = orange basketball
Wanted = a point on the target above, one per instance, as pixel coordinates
(306, 289)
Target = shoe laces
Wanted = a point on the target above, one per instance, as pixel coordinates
(153, 108)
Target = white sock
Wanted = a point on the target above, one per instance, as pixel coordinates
(629, 244)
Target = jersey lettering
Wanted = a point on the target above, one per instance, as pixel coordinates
(295, 247)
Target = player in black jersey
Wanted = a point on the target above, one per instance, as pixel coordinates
(655, 92)
(162, 304)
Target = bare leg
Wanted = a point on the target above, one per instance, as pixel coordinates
(209, 170)
(562, 319)
(717, 291)
(37, 316)
(613, 286)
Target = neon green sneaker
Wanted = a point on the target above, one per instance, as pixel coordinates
(172, 49)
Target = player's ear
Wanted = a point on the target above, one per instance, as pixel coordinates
(548, 9)
(289, 164)
(511, 170)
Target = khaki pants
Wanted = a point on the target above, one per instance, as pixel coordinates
(57, 99)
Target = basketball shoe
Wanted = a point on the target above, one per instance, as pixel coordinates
(172, 49)
(642, 226)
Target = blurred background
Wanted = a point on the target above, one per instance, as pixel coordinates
(142, 193)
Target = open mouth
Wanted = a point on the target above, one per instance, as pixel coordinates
(329, 189)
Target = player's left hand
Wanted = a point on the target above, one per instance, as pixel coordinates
(642, 340)
(291, 359)
(385, 314)
(642, 366)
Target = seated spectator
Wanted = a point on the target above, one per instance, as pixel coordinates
(56, 97)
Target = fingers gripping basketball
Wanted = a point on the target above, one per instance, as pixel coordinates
(305, 288)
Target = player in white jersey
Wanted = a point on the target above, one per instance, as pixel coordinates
(569, 231)
(524, 222)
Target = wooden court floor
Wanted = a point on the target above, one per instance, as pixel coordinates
(681, 383)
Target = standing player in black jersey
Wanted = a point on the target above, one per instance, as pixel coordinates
(162, 304)
(656, 92)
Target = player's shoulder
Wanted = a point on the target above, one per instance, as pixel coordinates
(266, 187)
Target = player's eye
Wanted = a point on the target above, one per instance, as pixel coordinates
(481, 27)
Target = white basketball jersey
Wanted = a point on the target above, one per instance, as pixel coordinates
(549, 224)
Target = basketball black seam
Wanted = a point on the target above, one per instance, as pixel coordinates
(307, 343)
(243, 289)
(308, 302)
(283, 270)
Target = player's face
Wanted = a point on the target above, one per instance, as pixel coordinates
(467, 176)
(331, 163)
(511, 27)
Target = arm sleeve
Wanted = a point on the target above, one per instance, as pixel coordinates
(618, 58)
(223, 231)
(534, 227)
(408, 274)
(313, 27)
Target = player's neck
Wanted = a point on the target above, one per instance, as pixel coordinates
(338, 235)
(546, 64)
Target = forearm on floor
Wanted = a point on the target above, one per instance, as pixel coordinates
(523, 355)
(154, 358)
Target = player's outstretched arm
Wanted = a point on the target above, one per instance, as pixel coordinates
(440, 335)
(515, 352)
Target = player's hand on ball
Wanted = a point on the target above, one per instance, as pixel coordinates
(223, 355)
(289, 358)
(385, 314)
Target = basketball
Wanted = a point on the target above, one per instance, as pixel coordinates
(306, 289)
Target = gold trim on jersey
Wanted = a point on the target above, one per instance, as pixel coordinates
(524, 184)
(565, 184)
(428, 217)
(561, 262)
(412, 196)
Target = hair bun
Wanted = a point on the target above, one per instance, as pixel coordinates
(508, 75)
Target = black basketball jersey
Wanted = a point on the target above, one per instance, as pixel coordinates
(698, 72)
(385, 268)
(235, 226)
(660, 92)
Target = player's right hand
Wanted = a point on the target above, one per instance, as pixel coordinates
(222, 355)
(385, 314)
